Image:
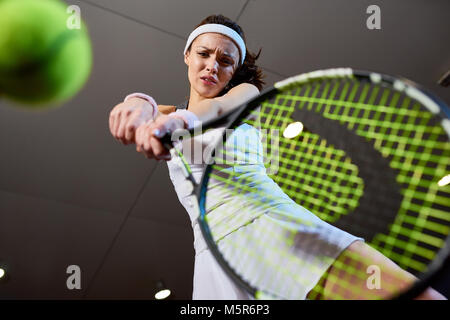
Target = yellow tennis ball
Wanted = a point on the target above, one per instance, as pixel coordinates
(43, 61)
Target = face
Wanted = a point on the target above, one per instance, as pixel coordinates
(212, 61)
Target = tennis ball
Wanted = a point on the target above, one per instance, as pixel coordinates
(43, 62)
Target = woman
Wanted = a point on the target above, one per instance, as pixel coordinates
(222, 74)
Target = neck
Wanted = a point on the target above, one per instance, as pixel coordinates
(195, 98)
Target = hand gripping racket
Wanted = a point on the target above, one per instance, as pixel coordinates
(365, 153)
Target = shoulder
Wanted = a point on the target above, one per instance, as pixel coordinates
(237, 95)
(247, 87)
(243, 91)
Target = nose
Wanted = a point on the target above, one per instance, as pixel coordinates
(212, 65)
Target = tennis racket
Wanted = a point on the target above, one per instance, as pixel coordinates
(354, 151)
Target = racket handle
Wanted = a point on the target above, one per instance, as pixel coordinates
(166, 140)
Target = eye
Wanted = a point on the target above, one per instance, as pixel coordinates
(203, 54)
(227, 61)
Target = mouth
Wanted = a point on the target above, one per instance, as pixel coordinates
(209, 80)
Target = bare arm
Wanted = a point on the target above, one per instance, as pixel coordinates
(165, 109)
(148, 134)
(211, 108)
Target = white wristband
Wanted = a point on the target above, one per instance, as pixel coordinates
(145, 97)
(189, 118)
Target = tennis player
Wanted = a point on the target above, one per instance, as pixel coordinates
(222, 74)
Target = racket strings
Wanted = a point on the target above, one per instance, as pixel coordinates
(404, 139)
(320, 176)
(328, 194)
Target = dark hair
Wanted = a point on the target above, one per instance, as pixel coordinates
(248, 72)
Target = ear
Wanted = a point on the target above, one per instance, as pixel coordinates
(186, 58)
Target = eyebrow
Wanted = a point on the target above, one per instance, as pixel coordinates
(211, 50)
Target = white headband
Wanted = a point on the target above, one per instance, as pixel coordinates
(218, 28)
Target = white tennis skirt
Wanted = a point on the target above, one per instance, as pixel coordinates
(279, 247)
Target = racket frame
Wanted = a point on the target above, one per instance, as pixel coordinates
(230, 118)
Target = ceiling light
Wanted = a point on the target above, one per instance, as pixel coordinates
(293, 130)
(161, 291)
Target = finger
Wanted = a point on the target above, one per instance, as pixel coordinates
(114, 125)
(158, 129)
(132, 126)
(137, 136)
(130, 133)
(142, 135)
(157, 148)
(159, 126)
(148, 155)
(145, 143)
(147, 151)
(121, 127)
(168, 125)
(111, 122)
(118, 122)
(117, 125)
(140, 144)
(164, 156)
